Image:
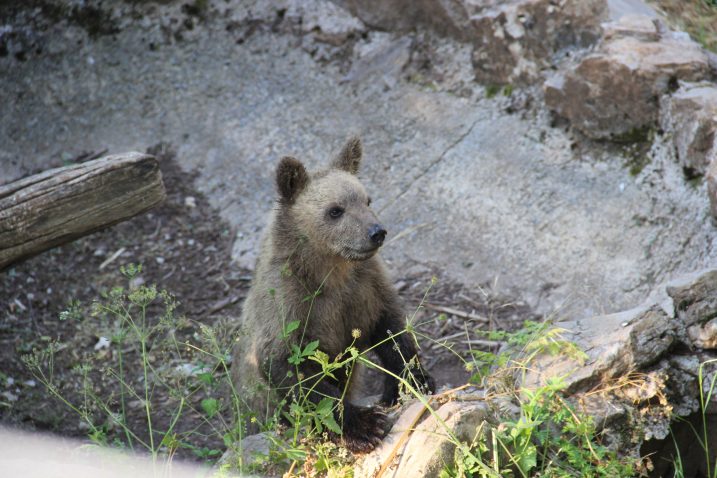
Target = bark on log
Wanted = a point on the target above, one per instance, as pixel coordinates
(59, 205)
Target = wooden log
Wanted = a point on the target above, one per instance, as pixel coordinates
(59, 205)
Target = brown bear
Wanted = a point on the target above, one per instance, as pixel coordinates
(318, 266)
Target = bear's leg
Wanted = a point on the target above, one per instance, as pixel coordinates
(362, 427)
(398, 353)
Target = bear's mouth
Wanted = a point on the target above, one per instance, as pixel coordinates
(359, 254)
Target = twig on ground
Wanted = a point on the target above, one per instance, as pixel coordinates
(457, 313)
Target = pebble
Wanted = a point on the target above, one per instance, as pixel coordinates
(136, 282)
(102, 343)
(9, 396)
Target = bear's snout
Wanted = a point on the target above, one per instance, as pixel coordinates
(377, 233)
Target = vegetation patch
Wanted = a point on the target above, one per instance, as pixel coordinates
(696, 17)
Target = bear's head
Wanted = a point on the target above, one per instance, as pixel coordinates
(331, 208)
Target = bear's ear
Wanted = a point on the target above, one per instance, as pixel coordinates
(350, 156)
(291, 179)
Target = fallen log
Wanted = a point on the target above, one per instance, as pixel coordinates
(62, 204)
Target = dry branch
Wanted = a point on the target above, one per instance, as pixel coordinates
(62, 204)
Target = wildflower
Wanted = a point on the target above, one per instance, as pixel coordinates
(356, 333)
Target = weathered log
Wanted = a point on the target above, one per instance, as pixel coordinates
(59, 205)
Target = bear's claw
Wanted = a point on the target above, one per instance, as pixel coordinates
(363, 428)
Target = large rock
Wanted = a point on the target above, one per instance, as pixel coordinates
(248, 454)
(642, 364)
(640, 373)
(635, 339)
(711, 177)
(694, 297)
(615, 344)
(425, 449)
(690, 115)
(614, 93)
(512, 40)
(444, 16)
(515, 40)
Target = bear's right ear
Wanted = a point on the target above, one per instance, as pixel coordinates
(291, 179)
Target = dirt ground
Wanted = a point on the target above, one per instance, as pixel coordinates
(184, 247)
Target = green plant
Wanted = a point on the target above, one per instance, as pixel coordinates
(140, 362)
(549, 436)
(704, 401)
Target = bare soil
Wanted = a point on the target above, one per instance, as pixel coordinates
(185, 248)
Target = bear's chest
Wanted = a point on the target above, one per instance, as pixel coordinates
(342, 316)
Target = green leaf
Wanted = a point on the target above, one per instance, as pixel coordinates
(295, 358)
(325, 406)
(330, 423)
(210, 406)
(206, 378)
(310, 348)
(290, 327)
(295, 454)
(527, 460)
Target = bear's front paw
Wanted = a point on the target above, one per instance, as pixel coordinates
(425, 382)
(390, 392)
(363, 428)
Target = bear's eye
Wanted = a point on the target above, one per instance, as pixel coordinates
(336, 212)
(368, 202)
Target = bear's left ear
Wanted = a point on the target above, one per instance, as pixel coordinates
(350, 156)
(291, 179)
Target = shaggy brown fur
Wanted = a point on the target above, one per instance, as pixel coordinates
(322, 237)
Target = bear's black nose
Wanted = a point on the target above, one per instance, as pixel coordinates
(377, 234)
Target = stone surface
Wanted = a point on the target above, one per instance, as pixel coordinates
(642, 369)
(512, 40)
(711, 177)
(428, 447)
(619, 8)
(633, 340)
(249, 451)
(690, 114)
(446, 17)
(615, 344)
(466, 189)
(614, 93)
(641, 27)
(704, 336)
(695, 297)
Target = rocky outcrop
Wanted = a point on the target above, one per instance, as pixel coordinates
(616, 344)
(712, 187)
(512, 40)
(423, 450)
(642, 366)
(639, 374)
(614, 92)
(691, 115)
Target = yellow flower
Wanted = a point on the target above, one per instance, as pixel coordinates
(356, 333)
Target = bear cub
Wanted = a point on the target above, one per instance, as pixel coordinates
(319, 266)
